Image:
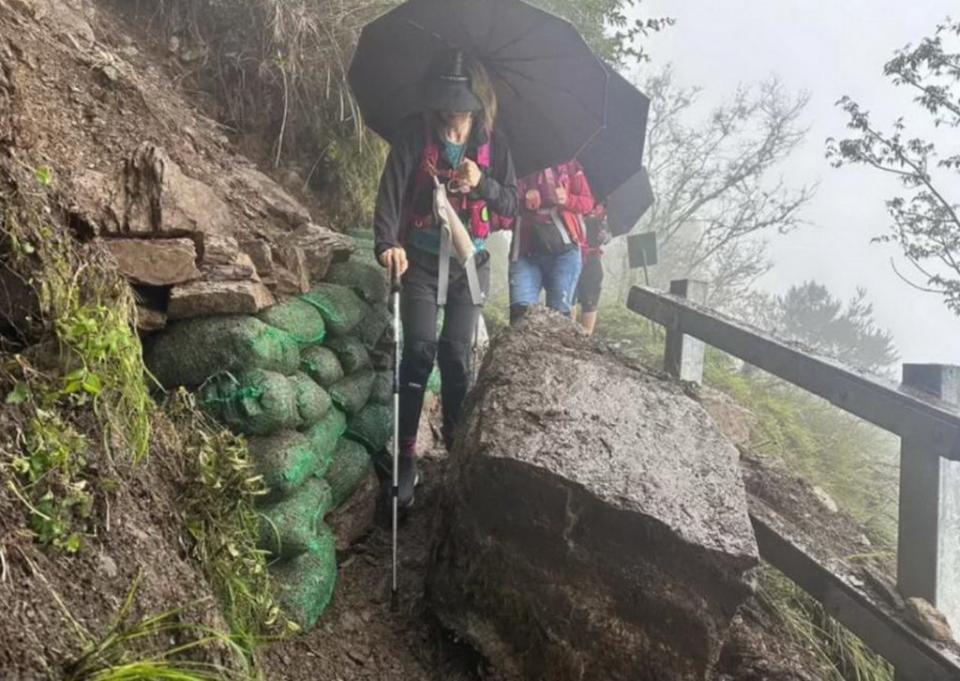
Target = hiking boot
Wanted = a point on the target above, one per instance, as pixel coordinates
(409, 479)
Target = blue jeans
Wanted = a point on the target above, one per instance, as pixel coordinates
(558, 274)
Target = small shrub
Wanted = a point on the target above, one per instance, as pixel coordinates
(81, 386)
(222, 488)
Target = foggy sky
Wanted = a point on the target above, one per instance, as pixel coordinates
(829, 48)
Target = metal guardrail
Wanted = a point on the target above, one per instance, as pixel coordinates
(923, 411)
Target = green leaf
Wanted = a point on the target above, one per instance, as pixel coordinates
(18, 395)
(44, 176)
(73, 543)
(92, 384)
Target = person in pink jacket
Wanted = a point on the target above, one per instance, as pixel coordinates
(546, 255)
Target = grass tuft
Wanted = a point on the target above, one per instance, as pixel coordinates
(845, 656)
(157, 647)
(223, 523)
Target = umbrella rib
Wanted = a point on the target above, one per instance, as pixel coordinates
(520, 74)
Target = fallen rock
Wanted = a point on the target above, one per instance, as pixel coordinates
(291, 270)
(161, 199)
(260, 253)
(149, 320)
(223, 260)
(206, 298)
(929, 621)
(98, 200)
(322, 247)
(277, 202)
(733, 420)
(595, 524)
(826, 500)
(155, 262)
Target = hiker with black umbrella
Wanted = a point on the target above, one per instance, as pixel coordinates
(454, 140)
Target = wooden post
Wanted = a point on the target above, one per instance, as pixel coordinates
(683, 356)
(928, 552)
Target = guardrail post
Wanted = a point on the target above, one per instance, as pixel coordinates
(928, 552)
(683, 356)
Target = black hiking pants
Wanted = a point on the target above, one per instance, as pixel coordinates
(421, 345)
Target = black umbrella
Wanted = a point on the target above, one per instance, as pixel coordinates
(550, 86)
(615, 154)
(629, 202)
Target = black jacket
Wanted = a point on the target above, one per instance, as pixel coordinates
(498, 186)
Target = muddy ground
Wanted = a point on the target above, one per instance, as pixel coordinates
(360, 638)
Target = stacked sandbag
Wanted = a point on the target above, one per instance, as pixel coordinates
(188, 352)
(305, 583)
(298, 379)
(292, 526)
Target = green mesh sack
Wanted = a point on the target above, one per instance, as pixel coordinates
(382, 392)
(351, 353)
(256, 402)
(298, 318)
(289, 527)
(374, 326)
(189, 352)
(372, 427)
(340, 307)
(313, 402)
(323, 438)
(368, 281)
(351, 464)
(352, 392)
(304, 585)
(284, 459)
(321, 364)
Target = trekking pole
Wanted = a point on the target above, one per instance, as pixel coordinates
(395, 482)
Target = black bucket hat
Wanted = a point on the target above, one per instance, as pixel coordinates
(447, 85)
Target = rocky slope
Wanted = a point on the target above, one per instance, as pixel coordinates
(194, 226)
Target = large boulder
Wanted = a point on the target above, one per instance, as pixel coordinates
(595, 524)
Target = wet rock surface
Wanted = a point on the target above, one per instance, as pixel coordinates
(595, 525)
(155, 262)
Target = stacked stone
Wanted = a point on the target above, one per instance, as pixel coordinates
(177, 241)
(308, 381)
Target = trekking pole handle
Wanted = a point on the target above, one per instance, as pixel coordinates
(394, 280)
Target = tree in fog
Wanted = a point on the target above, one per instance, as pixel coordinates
(607, 26)
(718, 191)
(810, 314)
(926, 217)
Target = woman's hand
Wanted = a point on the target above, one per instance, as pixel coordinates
(395, 260)
(532, 199)
(469, 175)
(561, 194)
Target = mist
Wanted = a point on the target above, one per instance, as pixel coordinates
(828, 49)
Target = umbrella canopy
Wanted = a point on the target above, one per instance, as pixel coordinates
(550, 87)
(615, 154)
(628, 203)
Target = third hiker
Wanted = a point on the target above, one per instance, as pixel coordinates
(545, 254)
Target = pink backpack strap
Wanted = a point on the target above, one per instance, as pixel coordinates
(483, 155)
